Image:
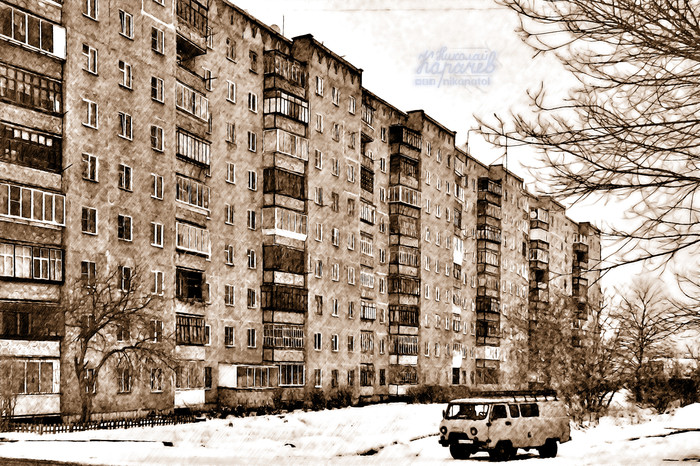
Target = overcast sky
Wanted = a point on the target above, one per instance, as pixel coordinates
(388, 39)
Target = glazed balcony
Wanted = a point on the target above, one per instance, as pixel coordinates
(404, 315)
(284, 298)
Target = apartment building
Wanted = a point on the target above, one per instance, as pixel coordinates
(303, 233)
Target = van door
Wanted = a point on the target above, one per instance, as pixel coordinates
(500, 425)
(519, 429)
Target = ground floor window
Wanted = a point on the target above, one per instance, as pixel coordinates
(30, 376)
(292, 374)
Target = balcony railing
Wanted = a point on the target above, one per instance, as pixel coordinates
(404, 345)
(405, 195)
(285, 67)
(194, 15)
(283, 336)
(404, 315)
(490, 186)
(402, 135)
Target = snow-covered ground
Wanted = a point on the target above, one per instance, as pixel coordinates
(394, 433)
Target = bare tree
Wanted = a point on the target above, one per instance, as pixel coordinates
(8, 391)
(115, 318)
(629, 129)
(646, 321)
(573, 352)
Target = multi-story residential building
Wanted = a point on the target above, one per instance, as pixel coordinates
(303, 233)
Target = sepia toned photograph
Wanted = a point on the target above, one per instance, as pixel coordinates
(385, 232)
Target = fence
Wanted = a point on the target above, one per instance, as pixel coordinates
(97, 425)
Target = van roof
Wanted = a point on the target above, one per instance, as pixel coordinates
(509, 396)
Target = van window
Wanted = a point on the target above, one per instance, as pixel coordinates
(470, 411)
(499, 412)
(514, 411)
(530, 410)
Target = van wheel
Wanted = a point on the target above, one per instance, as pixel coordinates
(460, 452)
(549, 449)
(504, 451)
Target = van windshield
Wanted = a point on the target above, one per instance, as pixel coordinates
(471, 411)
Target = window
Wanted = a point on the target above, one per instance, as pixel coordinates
(335, 272)
(229, 254)
(90, 8)
(319, 268)
(124, 227)
(229, 337)
(124, 177)
(252, 260)
(231, 91)
(230, 49)
(157, 41)
(252, 298)
(319, 86)
(351, 241)
(335, 235)
(253, 102)
(383, 135)
(351, 378)
(229, 215)
(318, 197)
(125, 126)
(335, 307)
(37, 263)
(352, 105)
(318, 159)
(252, 180)
(88, 272)
(252, 141)
(90, 54)
(91, 119)
(351, 207)
(351, 173)
(334, 342)
(252, 341)
(336, 132)
(319, 232)
(317, 341)
(351, 343)
(335, 167)
(157, 138)
(252, 220)
(231, 132)
(335, 96)
(253, 61)
(230, 172)
(292, 374)
(208, 79)
(335, 198)
(351, 275)
(157, 182)
(124, 379)
(319, 122)
(89, 167)
(157, 89)
(156, 380)
(126, 24)
(158, 288)
(317, 378)
(89, 220)
(229, 295)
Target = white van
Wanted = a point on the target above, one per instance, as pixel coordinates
(501, 422)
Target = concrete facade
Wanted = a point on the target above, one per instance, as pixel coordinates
(304, 234)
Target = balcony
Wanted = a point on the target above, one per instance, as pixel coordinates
(405, 195)
(403, 137)
(487, 185)
(403, 345)
(283, 222)
(192, 27)
(283, 336)
(404, 285)
(488, 233)
(404, 315)
(284, 72)
(278, 140)
(284, 298)
(487, 209)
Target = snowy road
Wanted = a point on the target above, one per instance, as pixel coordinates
(383, 434)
